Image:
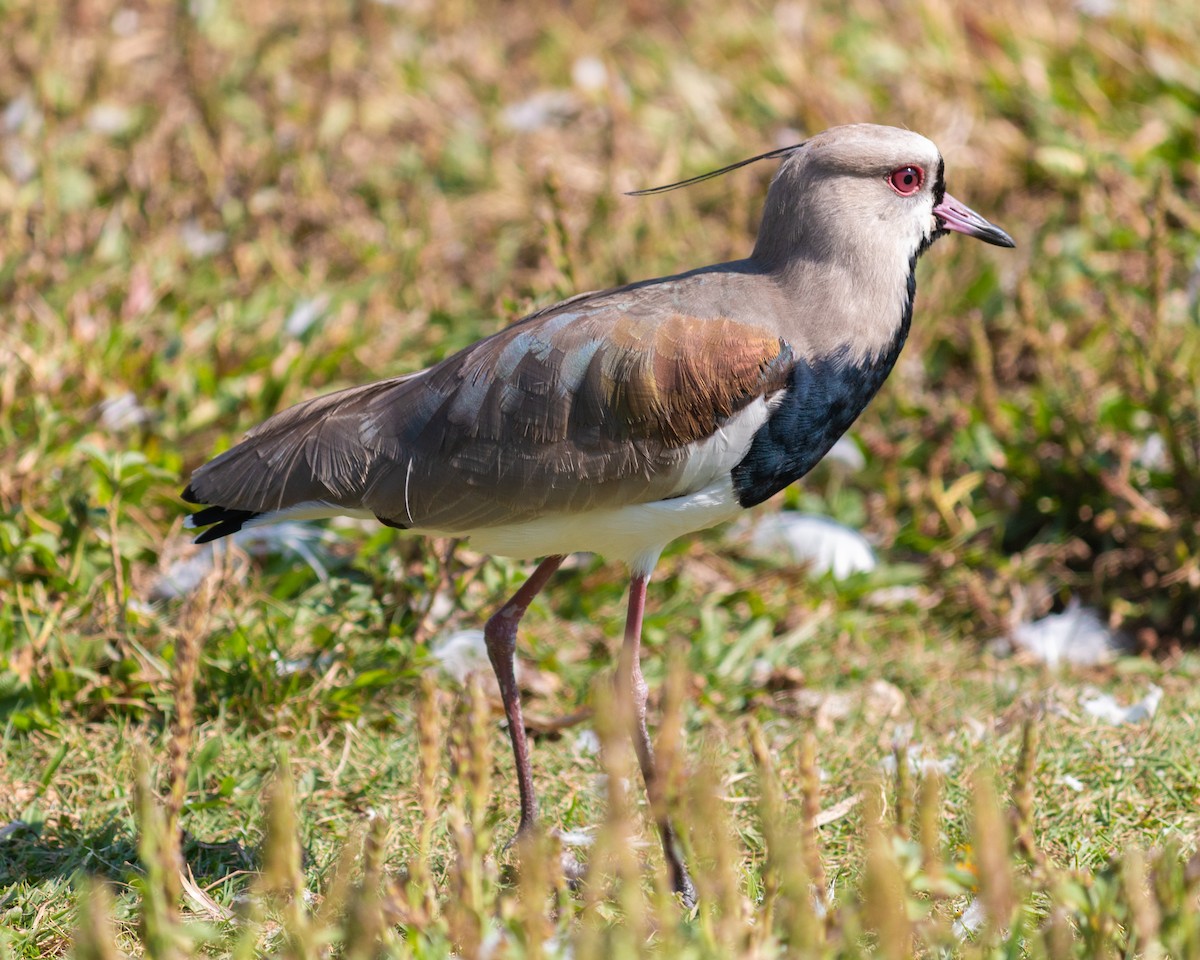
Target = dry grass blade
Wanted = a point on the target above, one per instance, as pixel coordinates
(613, 869)
(470, 834)
(992, 855)
(337, 894)
(1024, 792)
(1144, 913)
(200, 900)
(282, 877)
(884, 898)
(540, 886)
(194, 624)
(721, 910)
(813, 817)
(365, 923)
(161, 933)
(789, 892)
(929, 819)
(421, 895)
(96, 934)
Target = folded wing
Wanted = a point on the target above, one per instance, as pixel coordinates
(568, 410)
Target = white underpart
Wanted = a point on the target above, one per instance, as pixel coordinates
(635, 533)
(715, 456)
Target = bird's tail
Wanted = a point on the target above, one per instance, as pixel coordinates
(309, 461)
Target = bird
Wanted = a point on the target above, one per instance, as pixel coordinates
(615, 421)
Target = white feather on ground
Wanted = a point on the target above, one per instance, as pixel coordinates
(1104, 706)
(463, 653)
(1077, 636)
(303, 540)
(822, 545)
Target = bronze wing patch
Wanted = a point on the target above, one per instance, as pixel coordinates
(678, 382)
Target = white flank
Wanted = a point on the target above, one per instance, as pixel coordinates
(635, 534)
(714, 457)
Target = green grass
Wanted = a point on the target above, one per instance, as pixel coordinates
(178, 180)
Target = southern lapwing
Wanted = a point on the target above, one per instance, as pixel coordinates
(618, 420)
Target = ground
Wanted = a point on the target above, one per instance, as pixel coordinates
(211, 210)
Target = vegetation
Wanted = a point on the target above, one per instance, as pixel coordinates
(211, 210)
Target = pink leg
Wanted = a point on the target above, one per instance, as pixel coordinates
(631, 666)
(500, 635)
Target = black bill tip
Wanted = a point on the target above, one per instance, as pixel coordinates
(956, 216)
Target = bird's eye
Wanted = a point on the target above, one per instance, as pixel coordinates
(907, 180)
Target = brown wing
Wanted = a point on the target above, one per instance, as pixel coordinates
(567, 410)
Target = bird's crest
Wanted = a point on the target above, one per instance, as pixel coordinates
(769, 155)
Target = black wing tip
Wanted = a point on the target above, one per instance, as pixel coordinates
(219, 531)
(222, 521)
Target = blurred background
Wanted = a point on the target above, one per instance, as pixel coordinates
(212, 210)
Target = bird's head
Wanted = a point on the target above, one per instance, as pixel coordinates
(861, 190)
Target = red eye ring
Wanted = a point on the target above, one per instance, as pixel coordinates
(907, 180)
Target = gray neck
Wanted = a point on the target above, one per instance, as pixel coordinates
(854, 283)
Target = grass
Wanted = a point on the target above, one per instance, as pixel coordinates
(211, 210)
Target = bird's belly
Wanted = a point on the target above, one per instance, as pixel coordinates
(634, 533)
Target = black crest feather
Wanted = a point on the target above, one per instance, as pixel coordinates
(769, 155)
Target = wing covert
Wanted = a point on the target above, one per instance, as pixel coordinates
(590, 405)
(569, 412)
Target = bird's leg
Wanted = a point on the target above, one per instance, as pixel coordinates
(631, 667)
(500, 635)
